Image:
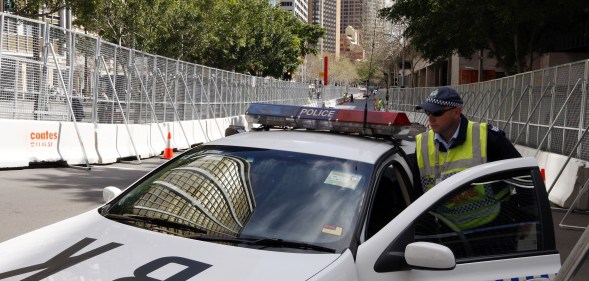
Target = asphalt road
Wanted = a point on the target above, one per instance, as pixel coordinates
(32, 198)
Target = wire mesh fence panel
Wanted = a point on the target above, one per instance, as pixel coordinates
(560, 105)
(242, 93)
(85, 67)
(224, 93)
(185, 91)
(137, 76)
(17, 91)
(214, 97)
(181, 93)
(170, 80)
(23, 38)
(160, 90)
(123, 83)
(572, 110)
(541, 119)
(59, 65)
(511, 120)
(149, 87)
(200, 94)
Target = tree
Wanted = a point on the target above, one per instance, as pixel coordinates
(516, 32)
(38, 8)
(129, 23)
(343, 71)
(248, 36)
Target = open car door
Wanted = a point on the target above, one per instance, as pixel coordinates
(438, 238)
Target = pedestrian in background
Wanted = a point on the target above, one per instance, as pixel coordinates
(77, 107)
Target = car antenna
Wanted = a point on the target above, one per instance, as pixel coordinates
(368, 79)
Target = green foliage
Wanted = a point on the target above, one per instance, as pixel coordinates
(368, 71)
(246, 36)
(516, 32)
(34, 8)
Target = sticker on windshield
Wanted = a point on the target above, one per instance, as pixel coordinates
(331, 229)
(343, 179)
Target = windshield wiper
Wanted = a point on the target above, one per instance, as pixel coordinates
(154, 221)
(267, 242)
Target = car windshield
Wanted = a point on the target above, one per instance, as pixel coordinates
(238, 192)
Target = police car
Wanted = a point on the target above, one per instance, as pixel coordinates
(326, 196)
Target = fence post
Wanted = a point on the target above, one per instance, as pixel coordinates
(2, 37)
(96, 82)
(130, 61)
(583, 107)
(72, 59)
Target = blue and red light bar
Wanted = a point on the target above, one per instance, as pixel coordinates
(340, 120)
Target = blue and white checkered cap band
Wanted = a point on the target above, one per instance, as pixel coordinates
(443, 102)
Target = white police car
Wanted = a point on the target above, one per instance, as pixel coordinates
(297, 205)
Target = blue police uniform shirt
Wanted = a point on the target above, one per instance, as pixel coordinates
(439, 139)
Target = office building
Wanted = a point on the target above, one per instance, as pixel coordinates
(326, 13)
(298, 8)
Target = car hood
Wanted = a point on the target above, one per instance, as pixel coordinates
(90, 247)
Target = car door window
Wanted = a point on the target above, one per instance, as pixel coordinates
(497, 215)
(390, 199)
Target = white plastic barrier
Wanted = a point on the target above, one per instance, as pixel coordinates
(215, 128)
(139, 145)
(106, 143)
(569, 183)
(184, 134)
(69, 146)
(199, 131)
(141, 135)
(157, 138)
(27, 141)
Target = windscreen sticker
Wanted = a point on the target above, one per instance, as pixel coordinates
(346, 180)
(332, 230)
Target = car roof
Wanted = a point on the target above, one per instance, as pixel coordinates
(345, 146)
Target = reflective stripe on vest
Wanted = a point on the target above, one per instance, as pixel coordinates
(471, 153)
(477, 205)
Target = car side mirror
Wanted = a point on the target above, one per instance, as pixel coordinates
(426, 255)
(110, 192)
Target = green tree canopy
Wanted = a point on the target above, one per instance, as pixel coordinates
(516, 32)
(247, 36)
(36, 8)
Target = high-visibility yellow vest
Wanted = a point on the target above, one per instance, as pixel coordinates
(477, 205)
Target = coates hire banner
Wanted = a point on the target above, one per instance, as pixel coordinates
(29, 141)
(43, 139)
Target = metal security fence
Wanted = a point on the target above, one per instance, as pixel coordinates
(545, 109)
(50, 73)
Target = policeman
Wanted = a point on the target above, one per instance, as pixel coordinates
(454, 143)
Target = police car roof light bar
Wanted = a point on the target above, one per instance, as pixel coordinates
(333, 119)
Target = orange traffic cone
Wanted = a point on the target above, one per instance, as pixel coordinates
(168, 151)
